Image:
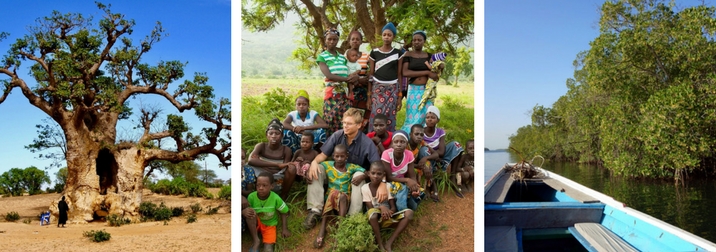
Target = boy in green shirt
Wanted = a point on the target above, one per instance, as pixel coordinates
(262, 213)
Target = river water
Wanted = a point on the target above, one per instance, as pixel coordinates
(691, 207)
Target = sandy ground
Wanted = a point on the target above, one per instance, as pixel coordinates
(444, 226)
(209, 233)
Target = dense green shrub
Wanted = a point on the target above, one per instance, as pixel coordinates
(163, 213)
(179, 186)
(177, 211)
(195, 208)
(225, 193)
(114, 220)
(12, 216)
(97, 236)
(147, 209)
(354, 233)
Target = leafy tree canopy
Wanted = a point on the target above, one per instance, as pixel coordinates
(30, 180)
(447, 23)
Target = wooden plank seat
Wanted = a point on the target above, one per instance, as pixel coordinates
(595, 237)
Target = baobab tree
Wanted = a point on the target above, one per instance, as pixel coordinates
(84, 76)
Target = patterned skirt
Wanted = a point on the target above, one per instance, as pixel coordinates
(333, 109)
(333, 201)
(413, 115)
(361, 102)
(293, 140)
(384, 101)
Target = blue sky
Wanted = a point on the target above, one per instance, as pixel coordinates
(199, 33)
(529, 50)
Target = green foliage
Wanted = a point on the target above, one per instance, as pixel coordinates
(642, 98)
(354, 233)
(27, 221)
(191, 218)
(147, 210)
(177, 211)
(12, 216)
(225, 193)
(151, 211)
(49, 136)
(195, 208)
(30, 180)
(61, 179)
(163, 213)
(114, 220)
(97, 236)
(179, 186)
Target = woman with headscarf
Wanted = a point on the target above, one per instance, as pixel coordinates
(274, 158)
(416, 68)
(384, 72)
(63, 208)
(361, 86)
(334, 66)
(302, 119)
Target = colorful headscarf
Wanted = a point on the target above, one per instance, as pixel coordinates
(400, 133)
(275, 124)
(304, 94)
(421, 32)
(390, 26)
(332, 31)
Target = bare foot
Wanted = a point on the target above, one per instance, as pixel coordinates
(388, 244)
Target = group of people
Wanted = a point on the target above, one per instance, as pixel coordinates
(387, 171)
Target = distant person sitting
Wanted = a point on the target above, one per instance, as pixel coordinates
(45, 218)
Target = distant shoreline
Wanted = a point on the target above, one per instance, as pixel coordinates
(497, 150)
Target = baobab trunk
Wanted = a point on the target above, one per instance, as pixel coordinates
(103, 181)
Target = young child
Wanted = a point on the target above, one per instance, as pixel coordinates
(383, 215)
(435, 138)
(422, 153)
(261, 215)
(381, 136)
(302, 158)
(339, 174)
(248, 184)
(465, 167)
(354, 68)
(300, 120)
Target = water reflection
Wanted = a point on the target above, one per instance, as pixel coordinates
(688, 207)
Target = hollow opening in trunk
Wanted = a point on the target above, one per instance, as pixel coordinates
(107, 171)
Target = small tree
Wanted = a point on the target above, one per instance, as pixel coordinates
(61, 179)
(30, 180)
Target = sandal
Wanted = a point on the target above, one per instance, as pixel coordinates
(318, 243)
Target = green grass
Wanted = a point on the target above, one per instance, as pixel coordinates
(263, 99)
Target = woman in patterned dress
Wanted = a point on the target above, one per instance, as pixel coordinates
(415, 66)
(385, 73)
(333, 66)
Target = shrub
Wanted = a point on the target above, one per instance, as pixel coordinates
(195, 208)
(354, 233)
(27, 221)
(163, 213)
(225, 193)
(115, 220)
(191, 218)
(12, 216)
(97, 236)
(147, 210)
(177, 211)
(179, 186)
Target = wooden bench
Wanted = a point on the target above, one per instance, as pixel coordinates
(595, 237)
